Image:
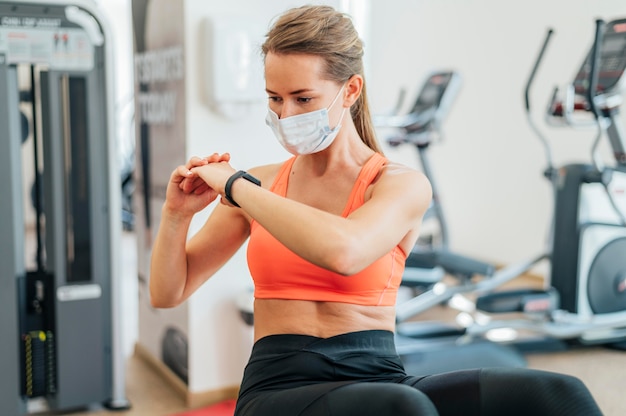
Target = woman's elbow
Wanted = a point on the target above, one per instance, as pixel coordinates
(161, 302)
(344, 260)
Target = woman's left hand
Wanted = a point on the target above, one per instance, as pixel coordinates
(215, 176)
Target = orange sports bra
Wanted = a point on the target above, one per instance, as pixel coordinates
(279, 273)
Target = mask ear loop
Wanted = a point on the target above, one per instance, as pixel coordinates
(333, 103)
(336, 96)
(340, 118)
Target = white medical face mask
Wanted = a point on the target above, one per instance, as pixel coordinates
(306, 133)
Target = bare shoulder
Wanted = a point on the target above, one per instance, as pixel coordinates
(397, 174)
(397, 182)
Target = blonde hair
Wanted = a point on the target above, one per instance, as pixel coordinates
(325, 32)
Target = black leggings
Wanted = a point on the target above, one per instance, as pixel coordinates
(361, 374)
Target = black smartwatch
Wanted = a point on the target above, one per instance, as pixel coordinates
(229, 184)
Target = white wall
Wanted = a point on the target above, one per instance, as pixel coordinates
(489, 167)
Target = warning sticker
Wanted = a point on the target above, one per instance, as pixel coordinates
(60, 48)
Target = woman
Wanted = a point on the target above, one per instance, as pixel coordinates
(328, 233)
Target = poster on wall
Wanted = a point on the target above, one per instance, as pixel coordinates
(161, 146)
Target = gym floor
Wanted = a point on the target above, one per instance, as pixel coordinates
(601, 369)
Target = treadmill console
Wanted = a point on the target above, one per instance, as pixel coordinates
(433, 91)
(435, 99)
(432, 105)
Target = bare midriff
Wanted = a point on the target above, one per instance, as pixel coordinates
(319, 319)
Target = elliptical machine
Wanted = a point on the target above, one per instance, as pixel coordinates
(585, 297)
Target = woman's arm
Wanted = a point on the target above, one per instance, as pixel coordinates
(178, 267)
(397, 203)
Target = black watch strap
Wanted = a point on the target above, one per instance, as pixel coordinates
(229, 184)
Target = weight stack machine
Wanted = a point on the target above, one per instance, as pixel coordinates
(60, 210)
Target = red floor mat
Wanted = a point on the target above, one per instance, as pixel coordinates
(225, 408)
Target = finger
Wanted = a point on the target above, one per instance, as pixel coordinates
(192, 183)
(188, 180)
(201, 189)
(180, 174)
(215, 157)
(196, 161)
(184, 186)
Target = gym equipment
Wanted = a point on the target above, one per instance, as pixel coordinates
(584, 302)
(421, 127)
(433, 347)
(585, 297)
(61, 325)
(428, 263)
(431, 258)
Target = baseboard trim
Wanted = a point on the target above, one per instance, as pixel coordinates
(209, 397)
(191, 399)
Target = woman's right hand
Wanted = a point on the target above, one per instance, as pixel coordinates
(186, 192)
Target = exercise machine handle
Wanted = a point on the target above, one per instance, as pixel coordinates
(535, 67)
(592, 86)
(531, 122)
(594, 58)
